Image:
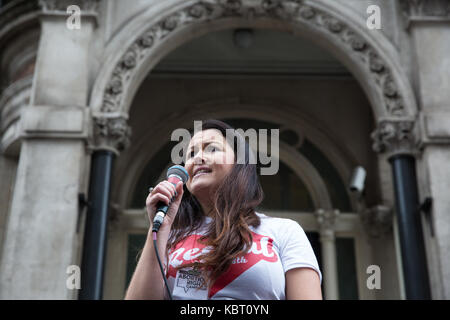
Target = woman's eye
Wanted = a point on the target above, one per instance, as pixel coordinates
(189, 154)
(208, 149)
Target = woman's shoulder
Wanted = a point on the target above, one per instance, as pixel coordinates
(277, 221)
(278, 226)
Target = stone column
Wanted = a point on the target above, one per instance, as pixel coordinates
(428, 24)
(326, 220)
(41, 239)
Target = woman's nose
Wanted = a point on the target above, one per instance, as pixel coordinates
(198, 158)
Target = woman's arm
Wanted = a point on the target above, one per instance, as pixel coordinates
(147, 282)
(303, 284)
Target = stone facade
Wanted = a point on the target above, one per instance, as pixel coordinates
(66, 93)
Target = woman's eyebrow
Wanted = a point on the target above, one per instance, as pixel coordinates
(204, 143)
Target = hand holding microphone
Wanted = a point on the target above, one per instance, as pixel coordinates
(163, 202)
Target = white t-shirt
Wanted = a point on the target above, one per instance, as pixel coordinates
(278, 246)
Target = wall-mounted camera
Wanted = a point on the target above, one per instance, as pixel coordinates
(357, 180)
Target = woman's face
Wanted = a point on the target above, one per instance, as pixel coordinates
(207, 149)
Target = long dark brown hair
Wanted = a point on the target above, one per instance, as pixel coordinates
(235, 201)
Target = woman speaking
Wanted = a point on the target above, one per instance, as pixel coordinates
(213, 243)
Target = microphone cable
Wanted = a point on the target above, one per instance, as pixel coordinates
(160, 265)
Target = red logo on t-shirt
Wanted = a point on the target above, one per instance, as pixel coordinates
(191, 248)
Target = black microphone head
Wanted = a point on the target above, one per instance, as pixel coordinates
(179, 171)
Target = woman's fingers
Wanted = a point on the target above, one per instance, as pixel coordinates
(160, 197)
(164, 188)
(179, 188)
(165, 192)
(171, 187)
(153, 199)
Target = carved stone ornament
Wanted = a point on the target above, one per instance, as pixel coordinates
(327, 220)
(395, 137)
(425, 10)
(111, 133)
(377, 221)
(295, 11)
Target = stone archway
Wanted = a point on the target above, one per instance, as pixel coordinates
(369, 56)
(157, 31)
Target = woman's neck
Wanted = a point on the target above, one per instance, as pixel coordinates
(207, 210)
(207, 206)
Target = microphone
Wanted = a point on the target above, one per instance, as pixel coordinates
(174, 175)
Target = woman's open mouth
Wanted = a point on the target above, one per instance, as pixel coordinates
(202, 172)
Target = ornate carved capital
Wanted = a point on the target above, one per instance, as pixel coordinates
(327, 221)
(425, 10)
(377, 220)
(111, 133)
(395, 137)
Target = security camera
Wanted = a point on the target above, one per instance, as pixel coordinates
(357, 180)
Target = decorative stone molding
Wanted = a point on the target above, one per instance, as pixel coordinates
(12, 102)
(327, 221)
(19, 39)
(19, 57)
(56, 6)
(377, 220)
(296, 11)
(111, 133)
(15, 14)
(425, 10)
(54, 122)
(435, 128)
(396, 137)
(89, 8)
(13, 99)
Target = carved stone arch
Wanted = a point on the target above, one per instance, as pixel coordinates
(155, 32)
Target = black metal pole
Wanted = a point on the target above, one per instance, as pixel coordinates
(410, 227)
(94, 248)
